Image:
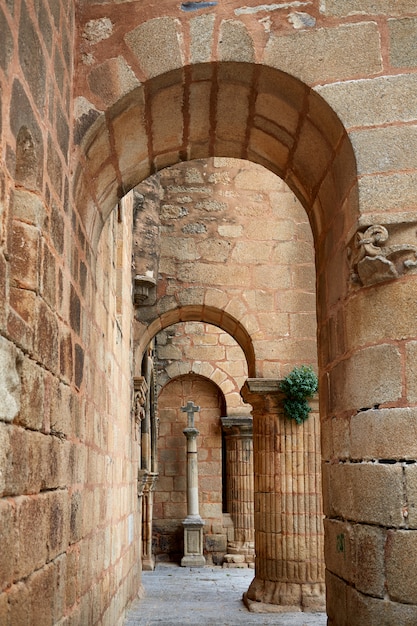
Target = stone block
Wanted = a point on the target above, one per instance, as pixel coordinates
(216, 543)
(367, 319)
(363, 609)
(327, 54)
(384, 434)
(365, 492)
(400, 555)
(339, 548)
(19, 605)
(112, 80)
(150, 41)
(130, 136)
(369, 567)
(8, 538)
(385, 149)
(201, 32)
(235, 42)
(31, 414)
(372, 102)
(231, 122)
(24, 256)
(402, 39)
(358, 384)
(388, 192)
(10, 383)
(410, 512)
(345, 8)
(32, 59)
(167, 118)
(32, 523)
(336, 590)
(42, 587)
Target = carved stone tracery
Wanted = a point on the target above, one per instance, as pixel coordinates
(373, 262)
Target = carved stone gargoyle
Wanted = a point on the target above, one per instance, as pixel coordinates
(372, 262)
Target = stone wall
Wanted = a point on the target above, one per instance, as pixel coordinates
(68, 512)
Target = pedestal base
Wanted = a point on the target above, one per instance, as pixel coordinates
(193, 542)
(266, 596)
(196, 560)
(148, 564)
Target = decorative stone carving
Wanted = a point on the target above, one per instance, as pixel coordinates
(373, 262)
(140, 389)
(144, 290)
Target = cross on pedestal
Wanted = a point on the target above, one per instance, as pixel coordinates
(190, 409)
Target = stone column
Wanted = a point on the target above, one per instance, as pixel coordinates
(193, 524)
(147, 480)
(239, 482)
(289, 564)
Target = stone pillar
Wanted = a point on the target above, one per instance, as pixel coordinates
(147, 481)
(289, 564)
(193, 524)
(239, 483)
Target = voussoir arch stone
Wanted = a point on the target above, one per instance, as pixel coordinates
(276, 121)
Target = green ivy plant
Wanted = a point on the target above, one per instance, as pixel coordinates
(298, 386)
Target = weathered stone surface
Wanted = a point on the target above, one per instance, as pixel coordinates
(402, 42)
(385, 149)
(314, 56)
(360, 385)
(112, 80)
(150, 43)
(401, 552)
(235, 43)
(10, 385)
(389, 192)
(201, 31)
(365, 492)
(342, 8)
(372, 102)
(379, 434)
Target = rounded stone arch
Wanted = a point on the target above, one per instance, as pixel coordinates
(276, 121)
(201, 313)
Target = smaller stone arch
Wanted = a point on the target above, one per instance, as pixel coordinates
(201, 313)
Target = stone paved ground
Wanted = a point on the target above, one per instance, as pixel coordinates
(209, 596)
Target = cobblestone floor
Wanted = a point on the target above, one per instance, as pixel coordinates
(210, 596)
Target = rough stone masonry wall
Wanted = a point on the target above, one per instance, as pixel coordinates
(67, 489)
(234, 238)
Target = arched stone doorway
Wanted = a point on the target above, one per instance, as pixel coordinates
(289, 129)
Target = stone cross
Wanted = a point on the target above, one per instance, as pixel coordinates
(190, 409)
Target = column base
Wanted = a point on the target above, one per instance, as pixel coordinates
(148, 564)
(266, 596)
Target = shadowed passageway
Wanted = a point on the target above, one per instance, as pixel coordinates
(201, 597)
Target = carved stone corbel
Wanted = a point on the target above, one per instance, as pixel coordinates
(373, 262)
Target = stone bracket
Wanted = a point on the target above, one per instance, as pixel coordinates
(372, 261)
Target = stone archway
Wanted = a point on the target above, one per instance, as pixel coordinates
(284, 125)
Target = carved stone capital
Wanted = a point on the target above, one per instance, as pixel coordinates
(379, 253)
(146, 481)
(237, 425)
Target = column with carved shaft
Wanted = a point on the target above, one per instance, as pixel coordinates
(193, 524)
(239, 487)
(289, 564)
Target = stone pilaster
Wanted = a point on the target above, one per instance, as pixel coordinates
(289, 564)
(239, 482)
